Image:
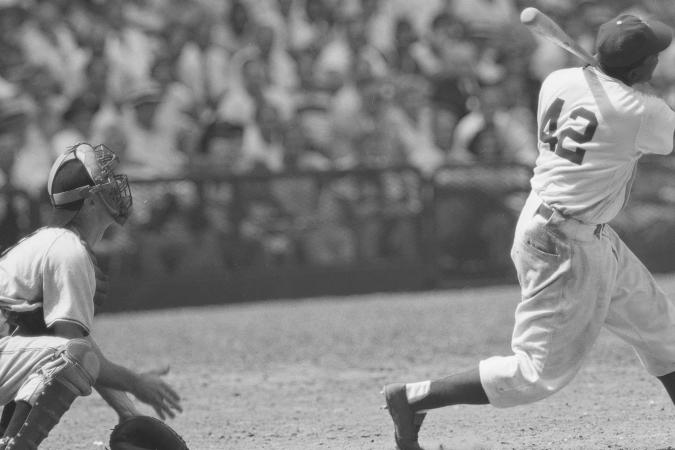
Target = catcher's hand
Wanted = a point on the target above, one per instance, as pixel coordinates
(152, 390)
(145, 433)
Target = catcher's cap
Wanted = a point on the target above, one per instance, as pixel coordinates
(81, 171)
(626, 40)
(71, 175)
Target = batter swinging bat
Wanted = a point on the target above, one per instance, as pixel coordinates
(544, 26)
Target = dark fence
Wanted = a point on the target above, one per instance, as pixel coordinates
(473, 212)
(220, 239)
(203, 240)
(647, 224)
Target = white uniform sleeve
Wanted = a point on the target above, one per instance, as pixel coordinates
(656, 130)
(69, 283)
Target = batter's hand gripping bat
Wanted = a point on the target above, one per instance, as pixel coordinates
(544, 26)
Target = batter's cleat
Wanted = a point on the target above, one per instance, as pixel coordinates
(407, 422)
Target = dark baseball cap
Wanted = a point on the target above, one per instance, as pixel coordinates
(626, 40)
(71, 175)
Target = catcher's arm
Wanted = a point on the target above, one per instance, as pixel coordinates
(146, 387)
(119, 401)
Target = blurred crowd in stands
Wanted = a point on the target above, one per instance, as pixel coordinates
(212, 87)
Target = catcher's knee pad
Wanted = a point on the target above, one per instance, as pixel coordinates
(52, 389)
(80, 371)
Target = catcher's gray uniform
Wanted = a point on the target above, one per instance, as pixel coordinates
(49, 271)
(48, 283)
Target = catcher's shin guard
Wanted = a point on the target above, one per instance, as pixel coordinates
(51, 391)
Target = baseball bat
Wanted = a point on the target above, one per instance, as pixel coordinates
(546, 27)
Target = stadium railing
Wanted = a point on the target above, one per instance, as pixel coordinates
(203, 239)
(213, 239)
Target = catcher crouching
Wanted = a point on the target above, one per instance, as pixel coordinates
(49, 286)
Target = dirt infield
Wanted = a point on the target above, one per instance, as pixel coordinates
(306, 375)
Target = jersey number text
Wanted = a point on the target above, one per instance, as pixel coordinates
(549, 125)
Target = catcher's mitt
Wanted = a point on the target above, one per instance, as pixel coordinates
(145, 433)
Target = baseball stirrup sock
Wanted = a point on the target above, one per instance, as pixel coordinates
(462, 388)
(415, 392)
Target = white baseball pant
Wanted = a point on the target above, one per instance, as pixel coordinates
(575, 278)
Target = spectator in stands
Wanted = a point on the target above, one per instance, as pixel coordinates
(15, 214)
(319, 18)
(13, 121)
(23, 148)
(179, 105)
(316, 129)
(403, 57)
(345, 108)
(220, 149)
(380, 23)
(263, 138)
(45, 96)
(128, 48)
(249, 85)
(499, 130)
(202, 64)
(298, 154)
(281, 84)
(448, 61)
(335, 59)
(380, 144)
(97, 82)
(238, 26)
(484, 17)
(13, 16)
(330, 239)
(48, 41)
(76, 123)
(152, 139)
(411, 116)
(274, 54)
(265, 234)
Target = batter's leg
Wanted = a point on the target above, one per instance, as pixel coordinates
(408, 403)
(461, 388)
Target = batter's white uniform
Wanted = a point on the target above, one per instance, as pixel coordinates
(51, 269)
(575, 273)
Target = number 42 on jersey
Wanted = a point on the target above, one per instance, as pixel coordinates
(549, 127)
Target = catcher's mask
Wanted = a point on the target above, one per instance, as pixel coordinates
(82, 171)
